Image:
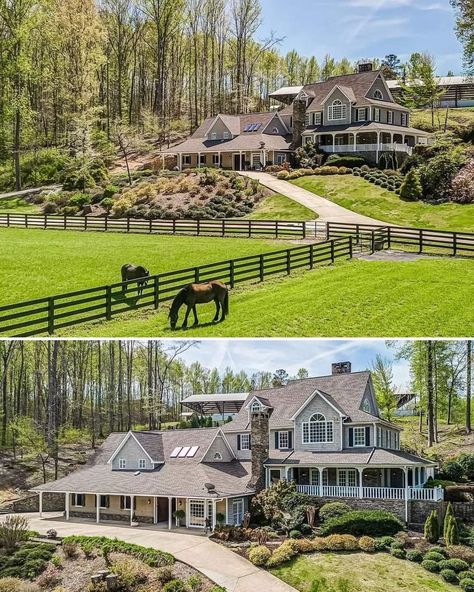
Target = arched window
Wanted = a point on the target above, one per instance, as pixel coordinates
(217, 456)
(337, 110)
(256, 407)
(378, 94)
(275, 130)
(318, 430)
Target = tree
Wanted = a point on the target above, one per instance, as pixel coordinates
(465, 30)
(430, 394)
(451, 531)
(431, 529)
(411, 189)
(448, 515)
(391, 67)
(382, 375)
(280, 378)
(468, 385)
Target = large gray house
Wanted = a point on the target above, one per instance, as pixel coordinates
(324, 433)
(350, 114)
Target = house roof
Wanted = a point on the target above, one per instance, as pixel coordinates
(344, 391)
(170, 478)
(367, 126)
(351, 456)
(245, 142)
(442, 81)
(216, 403)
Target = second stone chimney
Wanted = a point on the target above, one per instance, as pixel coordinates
(341, 368)
(259, 437)
(299, 119)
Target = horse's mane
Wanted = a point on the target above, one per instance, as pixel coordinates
(178, 299)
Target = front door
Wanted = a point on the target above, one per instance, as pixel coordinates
(239, 160)
(162, 509)
(237, 511)
(197, 514)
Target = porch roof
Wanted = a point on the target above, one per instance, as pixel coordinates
(250, 142)
(215, 403)
(349, 456)
(368, 126)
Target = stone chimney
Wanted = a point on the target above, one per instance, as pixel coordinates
(259, 437)
(365, 66)
(299, 118)
(341, 368)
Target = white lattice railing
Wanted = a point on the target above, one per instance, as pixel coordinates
(391, 493)
(367, 148)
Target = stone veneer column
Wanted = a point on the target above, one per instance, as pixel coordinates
(259, 438)
(299, 118)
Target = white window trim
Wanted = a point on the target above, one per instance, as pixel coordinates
(101, 507)
(216, 159)
(317, 118)
(246, 438)
(186, 159)
(214, 136)
(281, 158)
(404, 119)
(280, 445)
(202, 158)
(337, 105)
(390, 117)
(378, 95)
(142, 463)
(326, 423)
(74, 500)
(376, 114)
(225, 135)
(346, 473)
(358, 430)
(361, 114)
(122, 463)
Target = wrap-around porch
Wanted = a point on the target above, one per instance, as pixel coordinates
(366, 141)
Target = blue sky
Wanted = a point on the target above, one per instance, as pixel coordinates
(365, 28)
(291, 354)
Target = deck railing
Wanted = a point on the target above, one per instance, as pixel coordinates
(386, 493)
(395, 147)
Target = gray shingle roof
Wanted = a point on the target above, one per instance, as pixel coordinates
(246, 141)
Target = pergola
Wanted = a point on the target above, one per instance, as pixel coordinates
(213, 404)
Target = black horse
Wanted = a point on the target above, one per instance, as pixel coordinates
(135, 272)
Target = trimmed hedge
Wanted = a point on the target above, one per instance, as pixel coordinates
(414, 556)
(345, 161)
(259, 555)
(449, 575)
(150, 556)
(456, 565)
(434, 556)
(430, 566)
(363, 522)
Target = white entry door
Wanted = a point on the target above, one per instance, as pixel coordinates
(197, 517)
(237, 511)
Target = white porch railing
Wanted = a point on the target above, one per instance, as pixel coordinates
(434, 494)
(367, 148)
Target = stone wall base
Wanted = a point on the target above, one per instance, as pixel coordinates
(397, 507)
(104, 516)
(52, 502)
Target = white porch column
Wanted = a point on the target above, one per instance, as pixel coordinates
(170, 513)
(180, 161)
(226, 510)
(240, 163)
(334, 142)
(287, 470)
(97, 508)
(132, 501)
(214, 514)
(155, 509)
(68, 504)
(40, 502)
(354, 135)
(320, 481)
(199, 160)
(219, 163)
(361, 488)
(405, 472)
(378, 147)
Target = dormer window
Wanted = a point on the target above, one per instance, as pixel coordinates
(217, 456)
(317, 118)
(142, 463)
(366, 406)
(275, 130)
(255, 407)
(318, 430)
(337, 110)
(213, 136)
(378, 96)
(122, 463)
(376, 114)
(225, 135)
(404, 119)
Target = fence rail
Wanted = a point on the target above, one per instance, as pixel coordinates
(389, 493)
(213, 227)
(421, 239)
(47, 315)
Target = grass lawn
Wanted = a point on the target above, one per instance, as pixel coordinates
(280, 207)
(359, 572)
(45, 262)
(18, 205)
(458, 119)
(358, 195)
(351, 299)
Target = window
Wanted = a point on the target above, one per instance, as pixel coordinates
(142, 463)
(275, 130)
(213, 136)
(283, 440)
(125, 502)
(359, 436)
(404, 119)
(104, 501)
(122, 463)
(244, 441)
(237, 512)
(306, 119)
(275, 475)
(202, 159)
(225, 135)
(317, 118)
(337, 110)
(389, 116)
(317, 430)
(281, 158)
(255, 407)
(215, 159)
(361, 115)
(378, 95)
(217, 456)
(78, 500)
(376, 114)
(366, 406)
(186, 159)
(347, 477)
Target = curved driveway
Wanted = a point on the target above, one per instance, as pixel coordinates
(327, 210)
(219, 563)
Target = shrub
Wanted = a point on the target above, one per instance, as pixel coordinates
(466, 460)
(295, 534)
(429, 565)
(175, 586)
(346, 161)
(367, 544)
(449, 575)
(431, 529)
(397, 545)
(414, 556)
(27, 562)
(333, 510)
(283, 175)
(341, 542)
(304, 545)
(455, 564)
(441, 550)
(384, 543)
(49, 578)
(461, 552)
(110, 191)
(451, 531)
(283, 553)
(453, 470)
(13, 530)
(411, 188)
(434, 556)
(70, 549)
(360, 522)
(259, 555)
(130, 571)
(398, 553)
(56, 561)
(467, 584)
(164, 574)
(194, 583)
(10, 584)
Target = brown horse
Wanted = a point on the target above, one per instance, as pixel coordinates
(193, 294)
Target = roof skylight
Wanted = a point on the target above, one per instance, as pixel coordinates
(184, 452)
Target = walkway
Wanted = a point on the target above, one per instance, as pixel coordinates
(223, 566)
(326, 209)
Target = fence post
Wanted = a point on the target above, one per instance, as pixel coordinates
(150, 226)
(288, 261)
(389, 237)
(108, 303)
(231, 273)
(276, 229)
(327, 230)
(8, 220)
(351, 247)
(357, 233)
(128, 222)
(156, 292)
(311, 255)
(304, 228)
(223, 226)
(455, 243)
(196, 274)
(174, 225)
(420, 241)
(51, 315)
(106, 222)
(250, 228)
(85, 222)
(26, 221)
(262, 270)
(372, 238)
(45, 225)
(332, 250)
(198, 221)
(65, 222)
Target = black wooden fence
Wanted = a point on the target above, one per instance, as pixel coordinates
(215, 227)
(421, 240)
(46, 315)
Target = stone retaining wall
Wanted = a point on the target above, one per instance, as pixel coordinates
(52, 502)
(464, 511)
(397, 507)
(114, 517)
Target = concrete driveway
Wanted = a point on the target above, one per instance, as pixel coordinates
(326, 209)
(220, 564)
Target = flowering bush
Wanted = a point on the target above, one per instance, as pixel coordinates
(463, 184)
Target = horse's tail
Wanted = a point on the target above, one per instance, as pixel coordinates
(226, 303)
